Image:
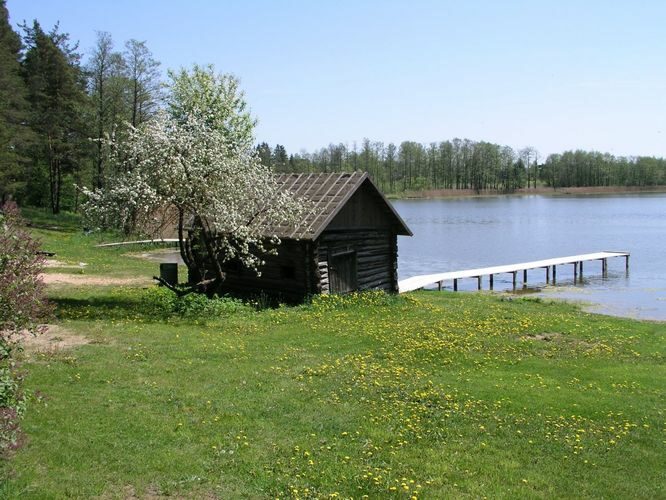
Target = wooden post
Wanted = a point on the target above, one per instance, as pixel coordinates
(478, 282)
(581, 268)
(491, 281)
(626, 262)
(439, 286)
(604, 266)
(575, 271)
(524, 276)
(554, 274)
(548, 274)
(455, 285)
(514, 279)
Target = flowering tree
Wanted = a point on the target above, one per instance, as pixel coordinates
(22, 306)
(215, 98)
(198, 164)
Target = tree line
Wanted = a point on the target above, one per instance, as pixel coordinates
(412, 166)
(469, 165)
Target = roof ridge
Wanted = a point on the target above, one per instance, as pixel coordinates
(328, 193)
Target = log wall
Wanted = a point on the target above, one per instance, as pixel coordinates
(290, 274)
(301, 268)
(376, 257)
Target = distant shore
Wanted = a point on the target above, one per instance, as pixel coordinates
(564, 191)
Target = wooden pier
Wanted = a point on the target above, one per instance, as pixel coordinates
(422, 281)
(169, 241)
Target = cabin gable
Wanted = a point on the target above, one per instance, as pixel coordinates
(364, 209)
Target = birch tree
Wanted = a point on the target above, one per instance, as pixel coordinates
(143, 80)
(104, 69)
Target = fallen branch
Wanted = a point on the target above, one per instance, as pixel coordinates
(200, 287)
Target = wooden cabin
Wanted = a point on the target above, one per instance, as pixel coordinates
(346, 242)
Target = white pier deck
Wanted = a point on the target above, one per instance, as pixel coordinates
(138, 242)
(422, 281)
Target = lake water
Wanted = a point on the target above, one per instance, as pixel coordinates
(457, 234)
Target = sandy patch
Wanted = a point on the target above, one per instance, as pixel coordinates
(557, 338)
(55, 338)
(83, 279)
(64, 265)
(166, 255)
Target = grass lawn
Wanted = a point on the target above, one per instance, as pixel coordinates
(427, 395)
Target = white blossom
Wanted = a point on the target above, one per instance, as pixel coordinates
(187, 162)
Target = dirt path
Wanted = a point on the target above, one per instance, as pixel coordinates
(55, 338)
(85, 279)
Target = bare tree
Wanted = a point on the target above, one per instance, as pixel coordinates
(104, 70)
(143, 77)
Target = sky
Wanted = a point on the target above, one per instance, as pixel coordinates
(552, 74)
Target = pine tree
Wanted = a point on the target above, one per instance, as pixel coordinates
(280, 158)
(265, 154)
(56, 92)
(14, 135)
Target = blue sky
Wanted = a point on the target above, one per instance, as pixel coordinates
(554, 75)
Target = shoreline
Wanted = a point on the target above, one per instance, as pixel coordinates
(544, 191)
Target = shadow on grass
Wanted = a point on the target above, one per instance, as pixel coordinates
(41, 218)
(149, 305)
(107, 308)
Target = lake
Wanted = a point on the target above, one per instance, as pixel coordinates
(464, 233)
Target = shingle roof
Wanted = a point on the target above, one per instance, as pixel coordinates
(328, 193)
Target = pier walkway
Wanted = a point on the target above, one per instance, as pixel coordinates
(138, 242)
(422, 281)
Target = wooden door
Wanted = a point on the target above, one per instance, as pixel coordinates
(342, 272)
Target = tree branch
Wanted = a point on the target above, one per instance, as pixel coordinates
(200, 287)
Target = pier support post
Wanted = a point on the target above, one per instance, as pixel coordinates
(604, 266)
(626, 262)
(478, 282)
(514, 279)
(524, 276)
(455, 285)
(548, 274)
(554, 274)
(491, 281)
(581, 268)
(439, 286)
(575, 271)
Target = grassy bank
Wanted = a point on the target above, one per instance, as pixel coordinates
(540, 190)
(427, 395)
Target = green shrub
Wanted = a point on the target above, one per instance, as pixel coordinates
(23, 306)
(164, 303)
